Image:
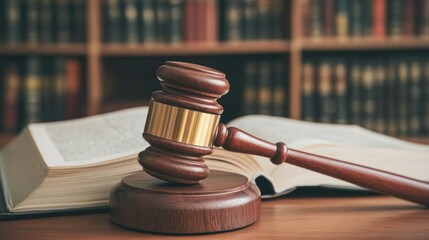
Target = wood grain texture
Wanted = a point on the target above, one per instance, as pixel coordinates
(316, 217)
(234, 139)
(224, 201)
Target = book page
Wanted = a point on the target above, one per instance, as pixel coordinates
(91, 140)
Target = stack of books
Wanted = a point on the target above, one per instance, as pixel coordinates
(365, 18)
(386, 95)
(40, 90)
(42, 21)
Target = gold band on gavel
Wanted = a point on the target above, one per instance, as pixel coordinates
(181, 124)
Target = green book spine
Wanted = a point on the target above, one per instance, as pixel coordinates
(148, 30)
(13, 22)
(402, 94)
(32, 17)
(250, 14)
(250, 95)
(131, 21)
(355, 92)
(264, 19)
(264, 91)
(368, 82)
(177, 19)
(46, 21)
(10, 99)
(392, 98)
(47, 90)
(415, 106)
(162, 21)
(32, 92)
(395, 18)
(233, 17)
(79, 21)
(341, 91)
(342, 18)
(308, 91)
(279, 89)
(356, 18)
(277, 19)
(316, 18)
(62, 21)
(380, 97)
(59, 89)
(367, 24)
(325, 92)
(113, 21)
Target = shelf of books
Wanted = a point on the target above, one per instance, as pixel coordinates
(340, 61)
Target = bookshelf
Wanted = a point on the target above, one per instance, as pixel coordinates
(98, 56)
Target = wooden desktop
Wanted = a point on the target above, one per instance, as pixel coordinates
(297, 216)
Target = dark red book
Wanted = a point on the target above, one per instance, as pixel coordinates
(328, 18)
(190, 21)
(201, 20)
(379, 18)
(73, 94)
(212, 21)
(409, 18)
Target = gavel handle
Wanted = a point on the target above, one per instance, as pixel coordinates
(413, 190)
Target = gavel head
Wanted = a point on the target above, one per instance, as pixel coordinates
(182, 122)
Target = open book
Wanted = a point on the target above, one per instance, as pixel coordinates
(72, 165)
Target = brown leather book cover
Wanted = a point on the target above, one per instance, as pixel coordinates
(379, 15)
(409, 17)
(200, 20)
(10, 101)
(190, 21)
(328, 18)
(73, 96)
(211, 21)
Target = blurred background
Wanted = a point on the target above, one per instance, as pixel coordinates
(336, 61)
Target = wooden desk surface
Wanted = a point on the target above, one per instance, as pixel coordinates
(338, 217)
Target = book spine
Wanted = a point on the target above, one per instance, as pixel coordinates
(59, 89)
(233, 20)
(250, 95)
(368, 83)
(402, 94)
(113, 12)
(190, 23)
(201, 23)
(342, 19)
(250, 17)
(10, 101)
(379, 18)
(264, 93)
(264, 20)
(356, 93)
(409, 12)
(277, 19)
(415, 105)
(325, 92)
(328, 18)
(47, 89)
(32, 93)
(148, 21)
(426, 97)
(424, 20)
(212, 21)
(176, 18)
(32, 17)
(392, 97)
(131, 21)
(367, 18)
(356, 18)
(380, 97)
(316, 19)
(308, 91)
(341, 92)
(305, 18)
(395, 22)
(163, 27)
(13, 22)
(79, 20)
(278, 90)
(46, 24)
(62, 20)
(73, 96)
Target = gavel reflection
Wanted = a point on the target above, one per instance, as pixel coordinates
(183, 125)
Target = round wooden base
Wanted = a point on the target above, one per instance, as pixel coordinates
(224, 201)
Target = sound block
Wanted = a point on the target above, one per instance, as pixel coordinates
(221, 202)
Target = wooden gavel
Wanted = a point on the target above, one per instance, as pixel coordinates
(183, 125)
